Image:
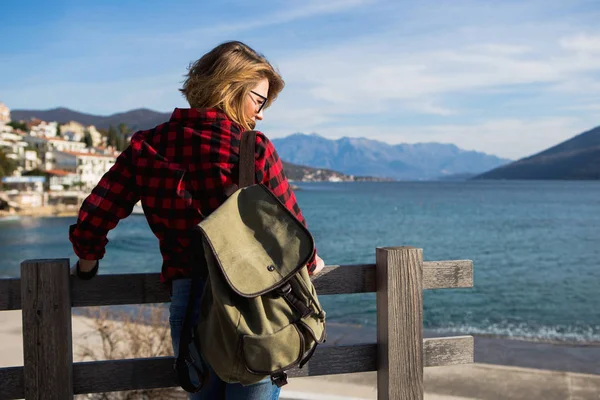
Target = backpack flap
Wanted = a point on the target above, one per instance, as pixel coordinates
(257, 242)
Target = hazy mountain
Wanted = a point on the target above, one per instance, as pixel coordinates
(360, 156)
(141, 118)
(576, 158)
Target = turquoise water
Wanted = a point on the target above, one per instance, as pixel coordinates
(535, 248)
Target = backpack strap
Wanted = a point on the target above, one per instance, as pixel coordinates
(247, 155)
(185, 361)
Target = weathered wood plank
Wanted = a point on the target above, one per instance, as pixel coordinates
(47, 335)
(447, 274)
(399, 323)
(151, 373)
(439, 352)
(107, 290)
(345, 279)
(117, 375)
(11, 383)
(331, 360)
(10, 294)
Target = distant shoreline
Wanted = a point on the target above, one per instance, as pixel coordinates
(41, 212)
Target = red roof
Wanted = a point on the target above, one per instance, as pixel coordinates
(59, 139)
(58, 172)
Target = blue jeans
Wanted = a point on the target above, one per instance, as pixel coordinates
(216, 389)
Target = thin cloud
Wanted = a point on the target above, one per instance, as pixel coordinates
(307, 10)
(582, 43)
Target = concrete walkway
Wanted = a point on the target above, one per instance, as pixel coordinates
(475, 381)
(460, 382)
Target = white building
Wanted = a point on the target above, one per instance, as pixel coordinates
(39, 143)
(72, 136)
(61, 179)
(89, 167)
(66, 145)
(25, 191)
(43, 144)
(43, 129)
(18, 150)
(4, 113)
(74, 128)
(74, 131)
(97, 138)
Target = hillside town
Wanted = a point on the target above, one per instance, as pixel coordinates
(49, 167)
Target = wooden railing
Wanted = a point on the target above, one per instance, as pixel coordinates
(46, 294)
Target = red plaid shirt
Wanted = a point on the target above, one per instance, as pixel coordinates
(179, 170)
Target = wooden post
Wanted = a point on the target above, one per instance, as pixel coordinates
(47, 335)
(399, 323)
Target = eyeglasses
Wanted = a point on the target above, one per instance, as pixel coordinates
(261, 105)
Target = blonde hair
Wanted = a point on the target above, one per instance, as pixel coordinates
(224, 76)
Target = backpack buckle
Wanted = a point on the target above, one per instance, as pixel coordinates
(284, 290)
(279, 379)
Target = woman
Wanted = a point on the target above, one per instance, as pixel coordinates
(180, 170)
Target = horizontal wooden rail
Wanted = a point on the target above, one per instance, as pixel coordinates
(12, 383)
(105, 290)
(152, 373)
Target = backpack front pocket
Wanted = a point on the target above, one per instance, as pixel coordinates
(268, 354)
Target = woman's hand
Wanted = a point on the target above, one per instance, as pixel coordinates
(320, 265)
(85, 269)
(87, 265)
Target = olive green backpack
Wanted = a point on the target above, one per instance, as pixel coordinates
(259, 313)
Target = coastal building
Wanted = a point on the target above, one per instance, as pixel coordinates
(41, 128)
(7, 132)
(97, 138)
(15, 148)
(38, 143)
(29, 161)
(45, 145)
(89, 167)
(74, 131)
(25, 191)
(61, 180)
(74, 128)
(4, 113)
(65, 145)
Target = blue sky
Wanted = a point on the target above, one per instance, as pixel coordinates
(509, 78)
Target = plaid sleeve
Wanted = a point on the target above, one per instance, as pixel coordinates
(269, 171)
(111, 200)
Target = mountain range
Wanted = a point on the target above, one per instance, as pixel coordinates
(356, 157)
(576, 158)
(138, 119)
(366, 157)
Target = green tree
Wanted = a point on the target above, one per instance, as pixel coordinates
(124, 131)
(7, 165)
(18, 125)
(112, 136)
(58, 130)
(87, 139)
